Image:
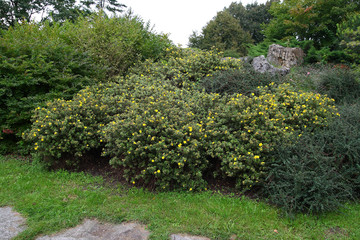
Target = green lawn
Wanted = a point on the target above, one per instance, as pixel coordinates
(55, 200)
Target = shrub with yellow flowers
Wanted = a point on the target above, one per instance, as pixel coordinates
(70, 128)
(159, 140)
(185, 67)
(244, 132)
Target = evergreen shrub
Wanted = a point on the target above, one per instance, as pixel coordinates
(341, 84)
(303, 178)
(321, 170)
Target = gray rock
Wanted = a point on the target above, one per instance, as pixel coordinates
(94, 230)
(285, 56)
(11, 223)
(260, 64)
(186, 237)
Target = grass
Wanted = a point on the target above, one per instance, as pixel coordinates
(51, 201)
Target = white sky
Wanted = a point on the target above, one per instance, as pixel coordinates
(179, 18)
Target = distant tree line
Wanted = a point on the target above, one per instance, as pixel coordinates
(15, 11)
(328, 30)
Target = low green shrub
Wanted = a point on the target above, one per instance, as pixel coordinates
(321, 170)
(303, 178)
(343, 142)
(342, 84)
(246, 130)
(244, 81)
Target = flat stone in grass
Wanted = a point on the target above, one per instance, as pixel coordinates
(187, 237)
(11, 223)
(94, 230)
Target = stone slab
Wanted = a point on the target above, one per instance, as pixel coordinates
(95, 230)
(11, 223)
(187, 237)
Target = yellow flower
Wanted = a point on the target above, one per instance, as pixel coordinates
(260, 144)
(190, 189)
(256, 157)
(158, 171)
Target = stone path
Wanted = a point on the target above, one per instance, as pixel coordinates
(12, 223)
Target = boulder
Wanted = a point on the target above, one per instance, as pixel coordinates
(260, 64)
(285, 56)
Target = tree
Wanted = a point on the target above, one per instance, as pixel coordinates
(223, 32)
(314, 20)
(349, 34)
(15, 11)
(110, 5)
(251, 17)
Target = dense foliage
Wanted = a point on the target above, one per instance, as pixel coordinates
(349, 34)
(321, 171)
(13, 12)
(47, 61)
(166, 134)
(233, 29)
(223, 32)
(176, 119)
(251, 17)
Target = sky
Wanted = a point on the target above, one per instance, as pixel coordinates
(179, 18)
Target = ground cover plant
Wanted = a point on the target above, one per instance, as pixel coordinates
(53, 200)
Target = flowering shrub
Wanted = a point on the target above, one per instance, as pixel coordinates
(159, 141)
(244, 132)
(184, 67)
(73, 127)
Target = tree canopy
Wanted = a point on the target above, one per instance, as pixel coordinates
(15, 11)
(223, 32)
(234, 28)
(251, 17)
(314, 20)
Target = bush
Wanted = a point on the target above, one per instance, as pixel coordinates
(47, 61)
(303, 178)
(186, 67)
(341, 84)
(244, 81)
(36, 65)
(159, 141)
(65, 130)
(343, 142)
(116, 43)
(246, 130)
(322, 170)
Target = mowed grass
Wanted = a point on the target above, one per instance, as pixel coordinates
(52, 201)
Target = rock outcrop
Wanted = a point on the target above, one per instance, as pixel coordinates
(260, 64)
(285, 56)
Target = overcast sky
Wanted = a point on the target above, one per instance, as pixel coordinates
(179, 18)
